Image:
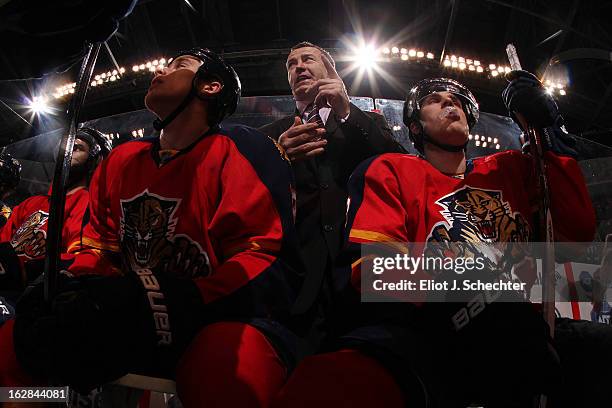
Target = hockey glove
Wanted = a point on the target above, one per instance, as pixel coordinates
(7, 310)
(11, 278)
(495, 341)
(525, 94)
(100, 328)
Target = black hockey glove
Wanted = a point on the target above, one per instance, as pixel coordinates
(11, 278)
(526, 95)
(495, 343)
(100, 328)
(7, 310)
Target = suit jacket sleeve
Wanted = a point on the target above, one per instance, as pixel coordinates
(372, 130)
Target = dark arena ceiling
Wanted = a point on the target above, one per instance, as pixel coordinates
(565, 42)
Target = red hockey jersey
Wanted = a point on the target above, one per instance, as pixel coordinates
(219, 212)
(401, 198)
(26, 228)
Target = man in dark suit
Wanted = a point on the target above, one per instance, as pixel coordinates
(326, 139)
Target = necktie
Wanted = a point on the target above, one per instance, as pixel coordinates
(311, 115)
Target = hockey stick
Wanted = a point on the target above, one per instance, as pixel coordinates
(545, 232)
(60, 176)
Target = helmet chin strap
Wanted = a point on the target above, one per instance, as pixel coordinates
(446, 147)
(160, 124)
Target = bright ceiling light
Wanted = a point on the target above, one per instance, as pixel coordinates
(365, 57)
(38, 105)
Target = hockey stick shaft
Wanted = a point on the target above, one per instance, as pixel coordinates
(62, 169)
(545, 225)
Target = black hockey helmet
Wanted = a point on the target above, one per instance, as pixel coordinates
(10, 171)
(426, 87)
(213, 66)
(98, 143)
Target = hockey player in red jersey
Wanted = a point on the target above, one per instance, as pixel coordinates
(22, 239)
(185, 271)
(412, 354)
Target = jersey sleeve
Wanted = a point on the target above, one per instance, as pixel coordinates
(97, 249)
(376, 214)
(570, 204)
(253, 232)
(571, 207)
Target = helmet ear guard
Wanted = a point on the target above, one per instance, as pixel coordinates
(423, 88)
(98, 143)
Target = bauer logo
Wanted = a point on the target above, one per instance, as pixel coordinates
(157, 303)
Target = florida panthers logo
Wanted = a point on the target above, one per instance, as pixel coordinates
(30, 239)
(147, 235)
(476, 215)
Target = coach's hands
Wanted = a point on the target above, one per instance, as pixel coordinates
(302, 141)
(331, 92)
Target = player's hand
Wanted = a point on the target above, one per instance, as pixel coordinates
(7, 310)
(11, 274)
(81, 339)
(526, 96)
(302, 141)
(331, 92)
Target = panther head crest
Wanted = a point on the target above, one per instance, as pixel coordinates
(147, 223)
(478, 211)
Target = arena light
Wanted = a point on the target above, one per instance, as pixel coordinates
(430, 55)
(395, 50)
(562, 92)
(39, 105)
(365, 57)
